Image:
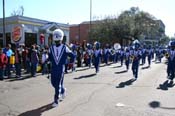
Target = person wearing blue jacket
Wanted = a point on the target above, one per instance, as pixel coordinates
(127, 59)
(58, 54)
(149, 54)
(97, 56)
(136, 56)
(171, 62)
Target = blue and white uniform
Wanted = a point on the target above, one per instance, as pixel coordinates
(143, 56)
(122, 54)
(171, 64)
(149, 54)
(97, 59)
(58, 56)
(97, 54)
(127, 59)
(137, 54)
(106, 54)
(136, 63)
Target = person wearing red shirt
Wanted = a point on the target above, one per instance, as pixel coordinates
(3, 63)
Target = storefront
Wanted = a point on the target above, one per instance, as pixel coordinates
(28, 31)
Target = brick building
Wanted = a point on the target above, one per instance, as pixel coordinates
(79, 32)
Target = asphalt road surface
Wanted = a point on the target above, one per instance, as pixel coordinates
(111, 92)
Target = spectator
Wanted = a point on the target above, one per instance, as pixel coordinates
(18, 61)
(34, 61)
(44, 62)
(8, 51)
(3, 63)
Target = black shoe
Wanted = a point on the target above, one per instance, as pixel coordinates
(1, 79)
(170, 84)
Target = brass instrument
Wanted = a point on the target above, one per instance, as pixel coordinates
(117, 46)
(132, 57)
(167, 55)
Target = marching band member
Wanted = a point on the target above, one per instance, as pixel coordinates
(116, 46)
(113, 55)
(143, 55)
(152, 53)
(106, 54)
(122, 54)
(131, 51)
(127, 58)
(117, 54)
(97, 56)
(171, 62)
(136, 59)
(89, 52)
(157, 54)
(149, 54)
(57, 55)
(160, 54)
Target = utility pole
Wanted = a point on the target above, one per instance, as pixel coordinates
(79, 34)
(4, 35)
(90, 36)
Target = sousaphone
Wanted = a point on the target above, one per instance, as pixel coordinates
(117, 46)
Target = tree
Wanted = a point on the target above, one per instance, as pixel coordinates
(18, 12)
(164, 40)
(103, 31)
(129, 24)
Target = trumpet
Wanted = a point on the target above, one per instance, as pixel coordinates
(167, 55)
(132, 57)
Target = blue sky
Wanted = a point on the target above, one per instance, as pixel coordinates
(77, 11)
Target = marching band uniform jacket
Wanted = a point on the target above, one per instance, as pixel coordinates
(96, 59)
(58, 61)
(171, 64)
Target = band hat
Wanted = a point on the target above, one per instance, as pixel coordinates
(97, 44)
(172, 44)
(58, 35)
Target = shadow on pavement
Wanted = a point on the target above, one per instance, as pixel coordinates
(103, 65)
(166, 85)
(117, 66)
(24, 77)
(145, 67)
(86, 76)
(82, 69)
(126, 83)
(19, 79)
(123, 71)
(38, 111)
(157, 104)
(158, 62)
(154, 104)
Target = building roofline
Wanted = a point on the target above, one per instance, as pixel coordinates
(29, 19)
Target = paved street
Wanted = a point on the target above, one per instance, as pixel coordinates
(111, 92)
